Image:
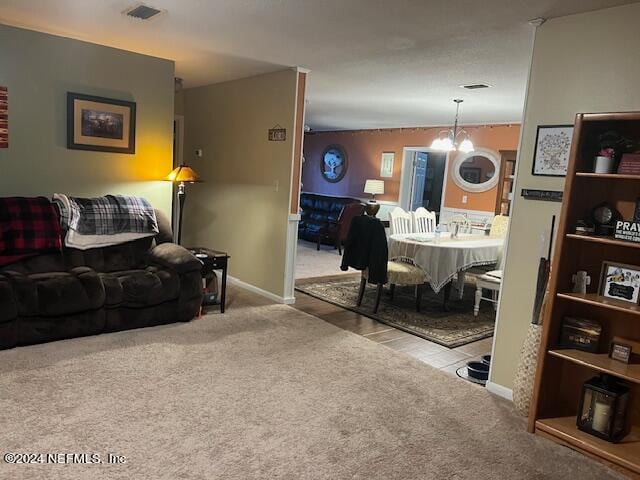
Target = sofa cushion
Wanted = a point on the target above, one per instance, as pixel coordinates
(8, 307)
(57, 293)
(140, 288)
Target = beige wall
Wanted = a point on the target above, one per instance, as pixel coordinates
(581, 63)
(243, 203)
(39, 70)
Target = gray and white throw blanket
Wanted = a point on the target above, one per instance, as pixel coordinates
(104, 221)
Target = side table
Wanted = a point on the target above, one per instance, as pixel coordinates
(214, 260)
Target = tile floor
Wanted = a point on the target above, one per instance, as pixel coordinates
(444, 358)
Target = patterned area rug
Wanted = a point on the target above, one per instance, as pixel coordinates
(452, 328)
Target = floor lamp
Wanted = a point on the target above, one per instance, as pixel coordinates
(181, 175)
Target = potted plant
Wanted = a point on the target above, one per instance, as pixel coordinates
(604, 161)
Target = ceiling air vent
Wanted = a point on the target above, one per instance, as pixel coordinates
(142, 12)
(475, 86)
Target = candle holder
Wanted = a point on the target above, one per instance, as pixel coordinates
(603, 408)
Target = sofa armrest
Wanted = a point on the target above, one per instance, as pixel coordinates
(174, 257)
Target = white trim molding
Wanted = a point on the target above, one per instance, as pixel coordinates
(300, 69)
(290, 258)
(492, 156)
(252, 288)
(499, 390)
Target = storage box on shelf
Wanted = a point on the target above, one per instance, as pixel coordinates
(562, 372)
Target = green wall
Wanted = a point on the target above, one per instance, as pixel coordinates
(39, 70)
(242, 205)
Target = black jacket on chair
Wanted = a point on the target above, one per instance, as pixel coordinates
(366, 248)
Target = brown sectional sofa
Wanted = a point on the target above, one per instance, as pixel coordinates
(75, 293)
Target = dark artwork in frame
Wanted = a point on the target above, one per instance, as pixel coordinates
(100, 124)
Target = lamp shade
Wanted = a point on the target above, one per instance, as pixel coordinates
(183, 173)
(374, 187)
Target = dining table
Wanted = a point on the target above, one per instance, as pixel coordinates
(443, 256)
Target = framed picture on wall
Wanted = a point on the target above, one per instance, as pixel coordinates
(386, 164)
(551, 154)
(100, 124)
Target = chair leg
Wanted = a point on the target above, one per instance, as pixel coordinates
(418, 297)
(363, 284)
(447, 295)
(460, 285)
(378, 295)
(392, 290)
(318, 246)
(339, 246)
(476, 306)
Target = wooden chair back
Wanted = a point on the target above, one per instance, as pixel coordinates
(346, 216)
(424, 221)
(400, 221)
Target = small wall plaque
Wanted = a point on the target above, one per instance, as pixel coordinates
(545, 195)
(277, 134)
(4, 118)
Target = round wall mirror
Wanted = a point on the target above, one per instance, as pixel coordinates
(476, 171)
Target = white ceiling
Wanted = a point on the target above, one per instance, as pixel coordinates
(375, 63)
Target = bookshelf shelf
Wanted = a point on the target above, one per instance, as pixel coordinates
(601, 363)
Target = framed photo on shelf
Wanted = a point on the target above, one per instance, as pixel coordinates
(100, 124)
(552, 148)
(620, 282)
(620, 352)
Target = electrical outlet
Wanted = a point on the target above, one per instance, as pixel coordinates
(198, 152)
(464, 199)
(276, 185)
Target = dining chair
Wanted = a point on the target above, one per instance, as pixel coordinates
(490, 281)
(424, 221)
(336, 230)
(400, 221)
(464, 224)
(398, 273)
(499, 226)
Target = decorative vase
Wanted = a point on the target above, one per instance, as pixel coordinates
(603, 164)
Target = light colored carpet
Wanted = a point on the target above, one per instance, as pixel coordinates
(261, 392)
(312, 263)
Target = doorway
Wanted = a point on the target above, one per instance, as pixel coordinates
(422, 183)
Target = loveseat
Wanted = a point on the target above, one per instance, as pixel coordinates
(317, 212)
(74, 293)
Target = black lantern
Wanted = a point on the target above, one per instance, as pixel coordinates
(603, 408)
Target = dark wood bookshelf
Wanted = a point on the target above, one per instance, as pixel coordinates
(561, 372)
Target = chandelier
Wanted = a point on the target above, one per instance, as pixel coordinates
(453, 139)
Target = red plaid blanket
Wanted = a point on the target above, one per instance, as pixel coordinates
(28, 226)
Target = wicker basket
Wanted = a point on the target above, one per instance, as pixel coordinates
(526, 371)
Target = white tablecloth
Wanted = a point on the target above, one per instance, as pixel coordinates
(442, 258)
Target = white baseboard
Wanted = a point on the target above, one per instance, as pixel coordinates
(500, 391)
(252, 288)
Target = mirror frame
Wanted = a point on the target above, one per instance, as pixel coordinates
(476, 187)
